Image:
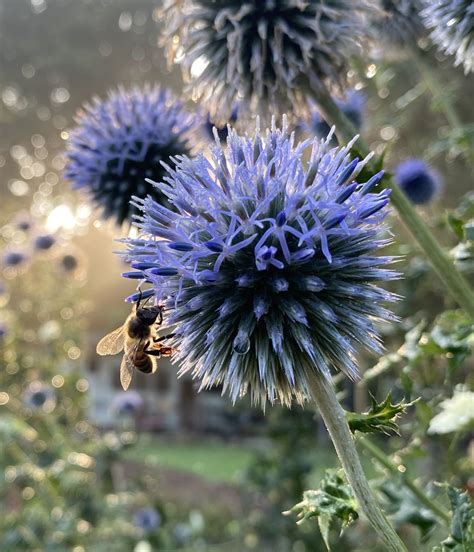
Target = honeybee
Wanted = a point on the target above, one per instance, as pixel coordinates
(137, 338)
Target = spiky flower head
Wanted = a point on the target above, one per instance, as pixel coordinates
(120, 142)
(418, 180)
(267, 264)
(14, 258)
(126, 403)
(69, 262)
(399, 25)
(221, 128)
(147, 519)
(44, 242)
(40, 396)
(352, 105)
(269, 54)
(452, 24)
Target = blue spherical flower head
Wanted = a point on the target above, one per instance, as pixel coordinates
(353, 107)
(3, 331)
(221, 129)
(147, 519)
(39, 396)
(127, 403)
(418, 180)
(122, 141)
(270, 55)
(44, 242)
(399, 26)
(452, 24)
(267, 264)
(14, 258)
(69, 262)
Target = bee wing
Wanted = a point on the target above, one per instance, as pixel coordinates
(126, 372)
(112, 343)
(128, 363)
(154, 361)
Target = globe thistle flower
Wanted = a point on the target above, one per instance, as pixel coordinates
(4, 331)
(39, 397)
(452, 24)
(399, 25)
(147, 519)
(353, 106)
(14, 258)
(69, 262)
(23, 221)
(266, 265)
(418, 180)
(221, 129)
(44, 242)
(122, 141)
(127, 403)
(269, 55)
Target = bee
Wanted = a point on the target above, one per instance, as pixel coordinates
(137, 338)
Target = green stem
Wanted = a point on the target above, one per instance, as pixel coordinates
(453, 280)
(334, 418)
(383, 459)
(437, 92)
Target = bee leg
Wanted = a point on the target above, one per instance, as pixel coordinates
(153, 352)
(139, 298)
(163, 337)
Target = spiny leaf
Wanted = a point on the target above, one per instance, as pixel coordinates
(461, 538)
(333, 504)
(381, 417)
(404, 507)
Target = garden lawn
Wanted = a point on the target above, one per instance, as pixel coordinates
(208, 459)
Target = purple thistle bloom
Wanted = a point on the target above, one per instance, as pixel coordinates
(14, 258)
(23, 221)
(122, 141)
(44, 242)
(277, 281)
(69, 262)
(418, 180)
(353, 107)
(452, 24)
(269, 55)
(147, 519)
(126, 403)
(399, 25)
(221, 129)
(39, 396)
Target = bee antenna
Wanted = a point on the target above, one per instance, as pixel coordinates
(139, 297)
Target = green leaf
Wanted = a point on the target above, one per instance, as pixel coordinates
(333, 504)
(457, 225)
(404, 507)
(380, 418)
(461, 538)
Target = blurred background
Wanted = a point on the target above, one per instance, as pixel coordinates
(87, 468)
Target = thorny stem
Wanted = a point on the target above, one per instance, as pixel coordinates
(437, 92)
(334, 417)
(453, 280)
(382, 458)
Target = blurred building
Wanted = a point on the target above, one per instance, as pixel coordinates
(170, 403)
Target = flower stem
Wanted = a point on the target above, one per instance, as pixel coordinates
(444, 267)
(334, 418)
(382, 458)
(436, 89)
